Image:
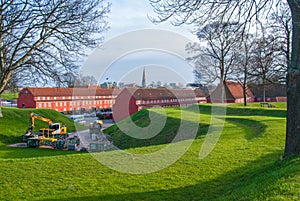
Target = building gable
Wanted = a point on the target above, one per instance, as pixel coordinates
(233, 92)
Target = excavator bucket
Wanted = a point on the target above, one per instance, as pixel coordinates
(28, 131)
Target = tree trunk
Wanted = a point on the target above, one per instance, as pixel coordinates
(1, 115)
(245, 69)
(245, 93)
(292, 145)
(3, 83)
(4, 79)
(222, 80)
(264, 90)
(245, 85)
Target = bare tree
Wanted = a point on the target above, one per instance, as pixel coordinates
(202, 12)
(215, 59)
(84, 80)
(242, 64)
(13, 83)
(68, 79)
(46, 38)
(280, 25)
(263, 63)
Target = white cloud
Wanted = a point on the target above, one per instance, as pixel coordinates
(133, 15)
(128, 16)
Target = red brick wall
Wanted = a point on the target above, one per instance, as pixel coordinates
(63, 103)
(27, 99)
(125, 105)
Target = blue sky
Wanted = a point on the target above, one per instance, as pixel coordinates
(130, 15)
(165, 66)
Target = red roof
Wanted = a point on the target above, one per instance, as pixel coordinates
(236, 90)
(164, 93)
(71, 91)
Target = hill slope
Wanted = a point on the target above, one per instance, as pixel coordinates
(16, 121)
(243, 166)
(165, 134)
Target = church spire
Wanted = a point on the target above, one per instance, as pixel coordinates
(144, 79)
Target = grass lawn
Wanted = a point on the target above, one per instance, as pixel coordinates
(15, 123)
(9, 95)
(244, 165)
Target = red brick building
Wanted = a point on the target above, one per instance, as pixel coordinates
(273, 92)
(67, 99)
(131, 100)
(233, 93)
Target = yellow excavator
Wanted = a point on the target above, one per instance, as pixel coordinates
(55, 129)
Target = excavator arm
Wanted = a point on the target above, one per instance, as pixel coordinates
(36, 116)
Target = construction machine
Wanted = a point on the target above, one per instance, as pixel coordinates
(55, 129)
(47, 139)
(55, 136)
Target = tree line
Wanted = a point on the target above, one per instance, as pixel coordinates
(259, 56)
(245, 12)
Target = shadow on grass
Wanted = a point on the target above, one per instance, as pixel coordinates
(242, 111)
(120, 139)
(165, 136)
(23, 153)
(9, 139)
(252, 129)
(254, 181)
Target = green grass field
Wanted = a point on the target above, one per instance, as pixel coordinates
(244, 165)
(9, 95)
(15, 123)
